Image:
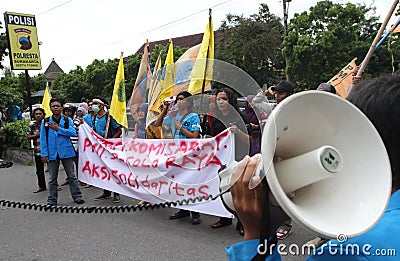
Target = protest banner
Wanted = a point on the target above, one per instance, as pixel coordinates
(157, 170)
(343, 79)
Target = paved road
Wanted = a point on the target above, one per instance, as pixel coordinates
(145, 235)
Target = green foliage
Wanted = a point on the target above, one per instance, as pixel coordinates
(3, 47)
(322, 41)
(10, 92)
(253, 44)
(15, 134)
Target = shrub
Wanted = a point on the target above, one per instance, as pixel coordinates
(15, 134)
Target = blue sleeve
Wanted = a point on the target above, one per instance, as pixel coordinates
(114, 124)
(195, 123)
(70, 132)
(88, 119)
(247, 250)
(168, 121)
(44, 152)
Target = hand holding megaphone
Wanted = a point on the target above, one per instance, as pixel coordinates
(325, 164)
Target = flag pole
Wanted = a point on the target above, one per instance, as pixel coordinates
(108, 113)
(148, 51)
(378, 36)
(208, 49)
(203, 85)
(387, 34)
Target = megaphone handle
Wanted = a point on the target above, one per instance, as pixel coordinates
(268, 231)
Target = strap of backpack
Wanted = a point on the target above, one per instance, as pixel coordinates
(46, 127)
(66, 122)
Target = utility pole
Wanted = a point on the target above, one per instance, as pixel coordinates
(285, 25)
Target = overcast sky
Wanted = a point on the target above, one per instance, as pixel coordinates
(75, 32)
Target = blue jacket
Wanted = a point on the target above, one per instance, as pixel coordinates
(59, 142)
(380, 243)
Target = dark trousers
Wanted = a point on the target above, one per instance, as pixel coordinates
(193, 213)
(40, 172)
(1, 147)
(108, 193)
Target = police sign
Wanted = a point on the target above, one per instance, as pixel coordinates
(23, 41)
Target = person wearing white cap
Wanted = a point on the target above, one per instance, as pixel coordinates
(114, 131)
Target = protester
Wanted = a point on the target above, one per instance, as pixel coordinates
(69, 111)
(185, 125)
(326, 87)
(383, 111)
(140, 126)
(80, 113)
(261, 102)
(228, 115)
(84, 104)
(56, 146)
(33, 134)
(17, 116)
(89, 119)
(100, 127)
(207, 119)
(253, 116)
(281, 91)
(90, 116)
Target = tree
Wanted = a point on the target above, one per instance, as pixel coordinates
(71, 87)
(3, 46)
(253, 44)
(322, 41)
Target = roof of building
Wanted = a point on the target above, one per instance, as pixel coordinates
(52, 71)
(186, 41)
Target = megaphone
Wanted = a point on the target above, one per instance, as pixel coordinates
(324, 163)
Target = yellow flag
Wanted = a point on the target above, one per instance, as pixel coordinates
(202, 70)
(118, 101)
(168, 74)
(46, 102)
(342, 80)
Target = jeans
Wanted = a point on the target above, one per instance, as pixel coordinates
(53, 184)
(40, 172)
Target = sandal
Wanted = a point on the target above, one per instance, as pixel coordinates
(239, 227)
(38, 190)
(241, 231)
(220, 224)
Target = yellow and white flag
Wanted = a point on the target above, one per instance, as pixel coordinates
(203, 68)
(142, 83)
(118, 100)
(46, 101)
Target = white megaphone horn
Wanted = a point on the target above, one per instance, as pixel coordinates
(324, 163)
